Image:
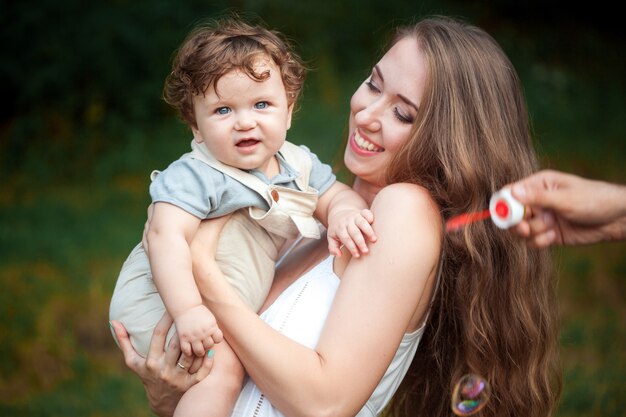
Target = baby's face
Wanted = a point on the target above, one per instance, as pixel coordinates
(244, 122)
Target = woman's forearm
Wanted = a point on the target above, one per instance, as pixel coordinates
(266, 354)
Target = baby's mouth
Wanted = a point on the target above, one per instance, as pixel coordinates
(247, 142)
(365, 144)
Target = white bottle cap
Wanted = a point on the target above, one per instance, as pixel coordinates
(505, 210)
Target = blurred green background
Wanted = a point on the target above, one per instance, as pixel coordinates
(83, 125)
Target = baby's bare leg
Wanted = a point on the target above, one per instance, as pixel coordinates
(215, 395)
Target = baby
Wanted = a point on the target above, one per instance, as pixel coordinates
(236, 86)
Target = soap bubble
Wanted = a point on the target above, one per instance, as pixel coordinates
(470, 395)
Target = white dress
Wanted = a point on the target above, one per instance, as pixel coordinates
(300, 313)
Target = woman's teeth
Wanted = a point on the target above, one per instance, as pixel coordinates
(364, 144)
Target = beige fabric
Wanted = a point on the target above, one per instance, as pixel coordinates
(290, 211)
(246, 254)
(247, 249)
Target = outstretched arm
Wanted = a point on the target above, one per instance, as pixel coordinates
(566, 209)
(380, 297)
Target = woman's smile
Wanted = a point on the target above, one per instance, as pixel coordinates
(362, 146)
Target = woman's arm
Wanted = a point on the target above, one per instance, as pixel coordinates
(381, 295)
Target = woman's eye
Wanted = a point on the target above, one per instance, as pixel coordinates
(261, 105)
(401, 117)
(222, 110)
(372, 87)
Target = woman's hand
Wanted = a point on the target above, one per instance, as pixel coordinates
(165, 373)
(566, 209)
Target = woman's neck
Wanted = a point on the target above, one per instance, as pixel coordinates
(366, 189)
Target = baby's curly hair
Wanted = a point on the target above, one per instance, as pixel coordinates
(212, 50)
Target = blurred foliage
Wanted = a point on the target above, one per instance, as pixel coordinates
(84, 125)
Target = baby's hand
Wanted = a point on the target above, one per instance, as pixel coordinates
(349, 228)
(197, 331)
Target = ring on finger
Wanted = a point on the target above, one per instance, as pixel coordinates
(180, 365)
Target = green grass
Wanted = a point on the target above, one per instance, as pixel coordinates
(592, 291)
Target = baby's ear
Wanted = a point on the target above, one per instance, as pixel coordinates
(289, 113)
(197, 136)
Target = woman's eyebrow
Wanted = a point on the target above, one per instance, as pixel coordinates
(403, 98)
(407, 101)
(380, 74)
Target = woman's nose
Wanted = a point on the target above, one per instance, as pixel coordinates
(369, 116)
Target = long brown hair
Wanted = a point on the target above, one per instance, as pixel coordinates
(494, 312)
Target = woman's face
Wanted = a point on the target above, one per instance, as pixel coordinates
(382, 111)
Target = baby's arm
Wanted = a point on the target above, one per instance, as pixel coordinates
(347, 218)
(171, 230)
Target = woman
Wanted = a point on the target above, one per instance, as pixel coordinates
(437, 128)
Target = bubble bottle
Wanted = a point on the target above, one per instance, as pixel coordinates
(505, 210)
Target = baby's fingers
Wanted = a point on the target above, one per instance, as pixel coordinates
(198, 348)
(218, 336)
(334, 247)
(209, 342)
(368, 215)
(353, 240)
(356, 237)
(365, 226)
(186, 348)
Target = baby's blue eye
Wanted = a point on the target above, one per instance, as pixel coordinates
(261, 105)
(222, 110)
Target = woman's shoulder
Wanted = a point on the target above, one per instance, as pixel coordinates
(408, 208)
(406, 196)
(409, 228)
(404, 188)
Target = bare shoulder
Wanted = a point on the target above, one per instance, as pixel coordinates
(407, 221)
(408, 201)
(404, 190)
